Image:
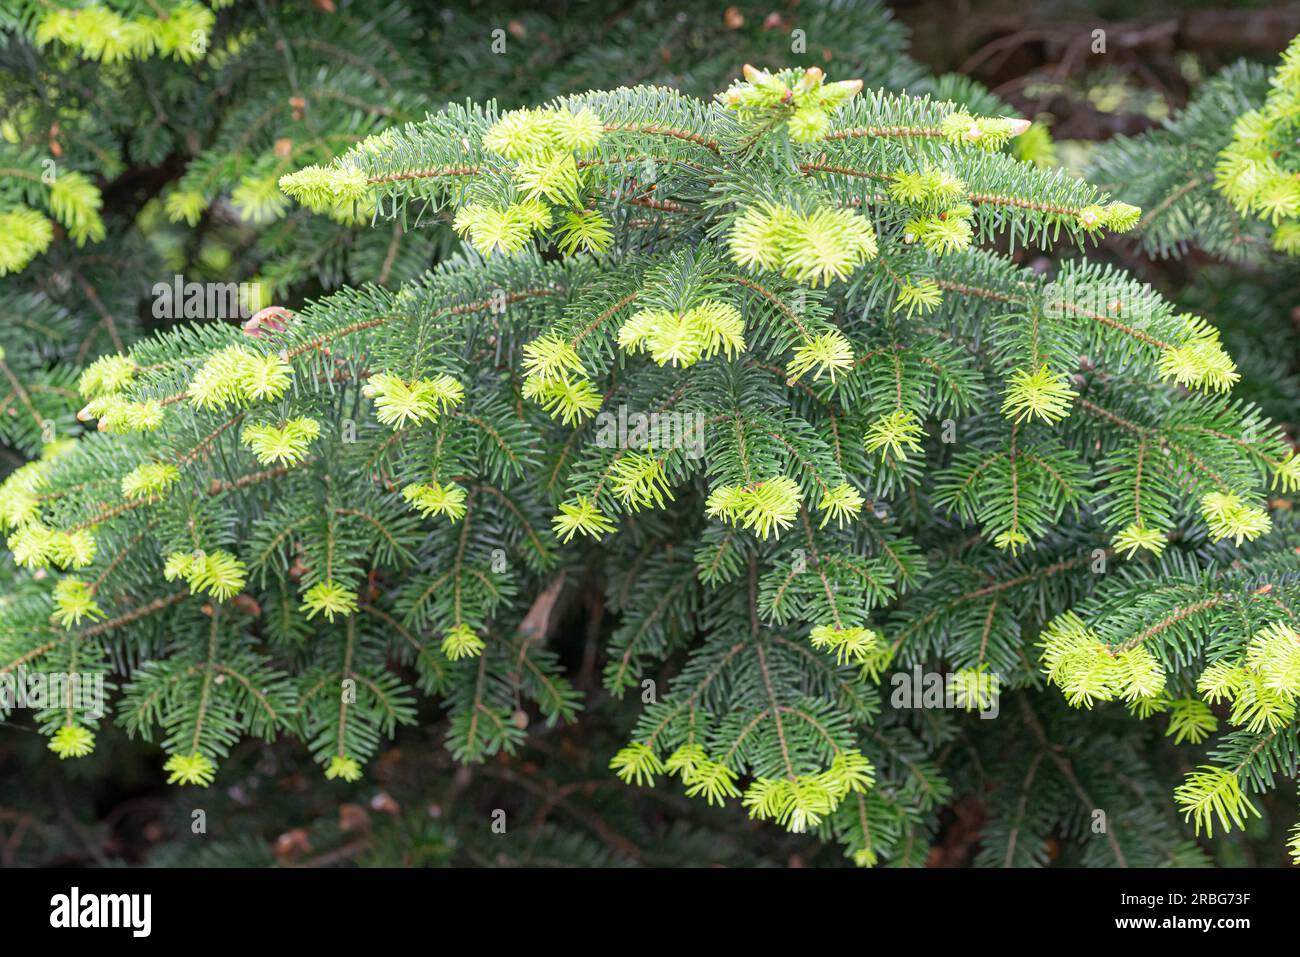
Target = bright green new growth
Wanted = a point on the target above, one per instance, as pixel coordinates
(217, 573)
(24, 234)
(72, 741)
(1259, 171)
(281, 445)
(801, 101)
(178, 30)
(72, 200)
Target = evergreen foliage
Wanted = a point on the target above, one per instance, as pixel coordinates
(763, 369)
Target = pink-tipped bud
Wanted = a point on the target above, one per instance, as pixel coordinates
(752, 73)
(267, 322)
(851, 87)
(84, 415)
(812, 76)
(1018, 126)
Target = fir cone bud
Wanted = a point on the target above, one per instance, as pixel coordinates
(384, 803)
(353, 818)
(292, 845)
(267, 322)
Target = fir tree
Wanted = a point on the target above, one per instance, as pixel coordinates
(764, 370)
